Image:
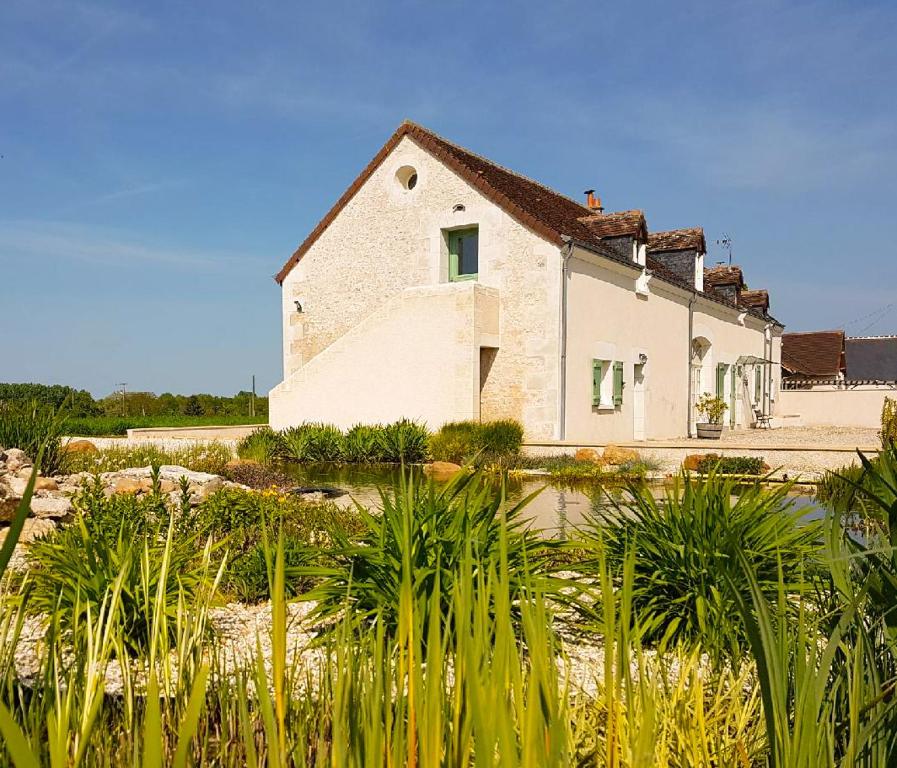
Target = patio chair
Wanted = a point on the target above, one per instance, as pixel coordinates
(761, 420)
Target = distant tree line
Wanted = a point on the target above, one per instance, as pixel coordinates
(81, 404)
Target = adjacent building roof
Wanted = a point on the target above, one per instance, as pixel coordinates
(871, 358)
(817, 353)
(723, 275)
(689, 239)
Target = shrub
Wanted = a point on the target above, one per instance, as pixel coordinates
(684, 549)
(732, 465)
(123, 544)
(404, 441)
(313, 442)
(428, 537)
(712, 407)
(889, 421)
(244, 519)
(363, 444)
(258, 476)
(486, 442)
(264, 445)
(208, 457)
(30, 427)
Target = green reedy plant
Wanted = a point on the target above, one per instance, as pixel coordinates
(480, 442)
(32, 427)
(363, 444)
(313, 443)
(683, 547)
(404, 441)
(264, 445)
(888, 432)
(428, 531)
(731, 465)
(207, 457)
(76, 567)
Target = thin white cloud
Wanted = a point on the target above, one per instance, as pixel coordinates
(72, 242)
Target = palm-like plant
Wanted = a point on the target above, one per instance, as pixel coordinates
(685, 545)
(425, 535)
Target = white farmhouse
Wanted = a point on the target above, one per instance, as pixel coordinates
(442, 286)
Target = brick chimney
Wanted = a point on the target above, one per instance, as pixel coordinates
(593, 203)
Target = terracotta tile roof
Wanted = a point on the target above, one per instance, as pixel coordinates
(691, 238)
(617, 224)
(547, 213)
(544, 211)
(817, 353)
(758, 299)
(723, 275)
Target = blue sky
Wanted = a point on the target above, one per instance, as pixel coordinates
(160, 161)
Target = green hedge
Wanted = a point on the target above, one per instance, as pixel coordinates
(401, 441)
(732, 465)
(480, 442)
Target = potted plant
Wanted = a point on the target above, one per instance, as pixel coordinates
(713, 409)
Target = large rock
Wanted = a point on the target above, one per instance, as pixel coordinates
(50, 507)
(80, 446)
(130, 485)
(46, 484)
(16, 459)
(441, 470)
(201, 491)
(614, 454)
(40, 483)
(34, 528)
(17, 485)
(9, 501)
(590, 455)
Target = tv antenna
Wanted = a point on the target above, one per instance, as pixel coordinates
(726, 242)
(123, 386)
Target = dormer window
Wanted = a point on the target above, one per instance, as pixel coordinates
(464, 256)
(640, 252)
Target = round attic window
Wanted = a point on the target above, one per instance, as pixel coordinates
(406, 176)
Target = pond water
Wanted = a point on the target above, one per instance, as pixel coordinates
(556, 509)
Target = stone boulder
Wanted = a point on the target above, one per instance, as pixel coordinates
(41, 483)
(50, 507)
(34, 528)
(15, 459)
(590, 455)
(615, 455)
(130, 485)
(80, 446)
(441, 470)
(9, 501)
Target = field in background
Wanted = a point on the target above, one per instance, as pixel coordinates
(109, 426)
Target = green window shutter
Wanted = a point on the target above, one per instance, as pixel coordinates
(618, 383)
(758, 383)
(720, 379)
(597, 368)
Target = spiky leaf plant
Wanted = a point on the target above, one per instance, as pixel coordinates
(423, 534)
(685, 545)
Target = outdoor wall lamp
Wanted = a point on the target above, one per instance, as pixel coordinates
(642, 358)
(298, 303)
